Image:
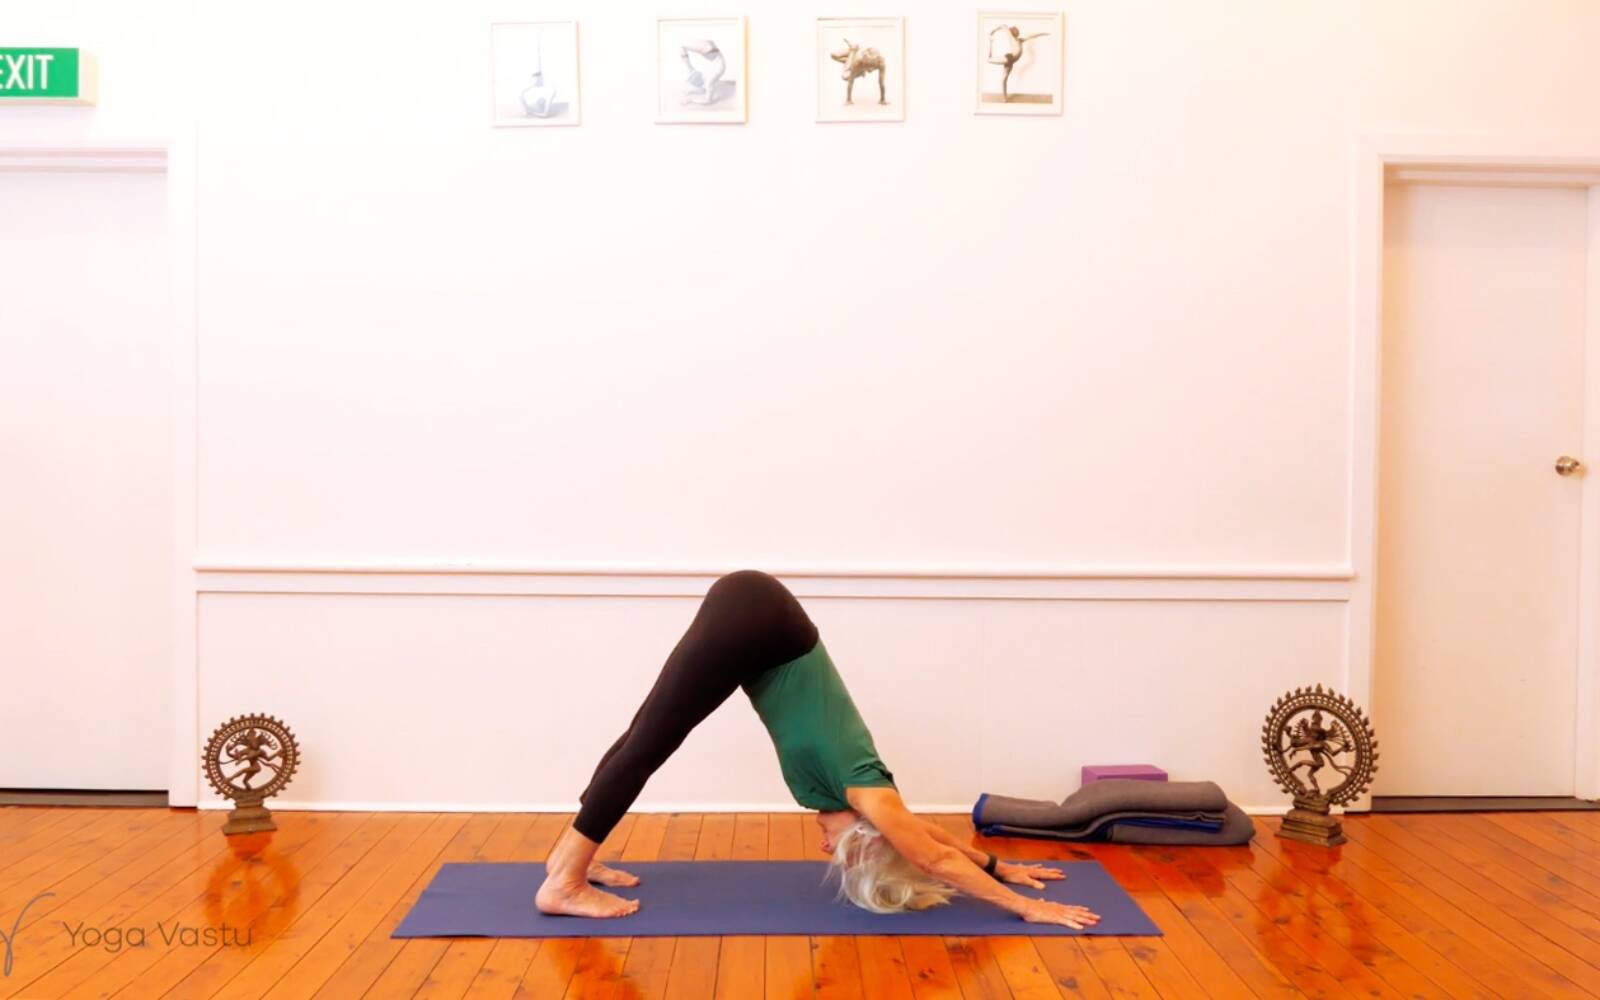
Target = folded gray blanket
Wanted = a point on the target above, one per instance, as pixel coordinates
(1187, 812)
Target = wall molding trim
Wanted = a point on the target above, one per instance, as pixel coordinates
(93, 159)
(1108, 571)
(1172, 582)
(1494, 178)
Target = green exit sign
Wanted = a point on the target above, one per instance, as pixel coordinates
(45, 76)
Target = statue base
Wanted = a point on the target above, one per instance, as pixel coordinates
(249, 817)
(1310, 822)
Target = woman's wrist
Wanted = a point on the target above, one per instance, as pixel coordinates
(968, 876)
(997, 892)
(1015, 902)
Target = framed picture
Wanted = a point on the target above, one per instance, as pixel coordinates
(861, 69)
(534, 66)
(700, 70)
(1021, 61)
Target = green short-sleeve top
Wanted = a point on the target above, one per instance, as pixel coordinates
(823, 745)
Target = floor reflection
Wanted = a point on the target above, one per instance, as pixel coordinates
(255, 886)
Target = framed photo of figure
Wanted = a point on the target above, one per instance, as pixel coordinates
(1021, 61)
(861, 69)
(534, 71)
(700, 70)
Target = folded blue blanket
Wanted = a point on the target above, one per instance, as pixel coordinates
(1170, 823)
(1104, 826)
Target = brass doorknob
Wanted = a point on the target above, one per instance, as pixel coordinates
(1566, 465)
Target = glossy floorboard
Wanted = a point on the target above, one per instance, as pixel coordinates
(151, 903)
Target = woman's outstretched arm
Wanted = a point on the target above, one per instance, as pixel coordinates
(949, 864)
(1028, 875)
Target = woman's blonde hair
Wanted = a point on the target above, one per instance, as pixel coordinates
(875, 876)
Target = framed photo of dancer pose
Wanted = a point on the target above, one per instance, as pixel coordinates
(1021, 63)
(861, 69)
(534, 70)
(700, 70)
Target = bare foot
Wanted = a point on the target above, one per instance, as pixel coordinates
(582, 901)
(606, 875)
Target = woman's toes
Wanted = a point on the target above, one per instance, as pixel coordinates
(610, 876)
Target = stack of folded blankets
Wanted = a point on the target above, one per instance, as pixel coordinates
(1121, 811)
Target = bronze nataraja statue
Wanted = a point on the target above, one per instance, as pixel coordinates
(251, 745)
(1345, 743)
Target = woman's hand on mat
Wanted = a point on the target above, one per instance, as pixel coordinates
(1028, 875)
(1044, 911)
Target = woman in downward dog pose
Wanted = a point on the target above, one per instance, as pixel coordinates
(751, 633)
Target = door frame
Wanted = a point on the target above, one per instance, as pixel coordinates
(1523, 162)
(173, 156)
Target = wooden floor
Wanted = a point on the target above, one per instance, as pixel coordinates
(1458, 905)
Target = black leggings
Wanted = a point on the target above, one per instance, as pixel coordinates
(748, 622)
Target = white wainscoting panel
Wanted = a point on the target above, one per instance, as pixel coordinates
(505, 701)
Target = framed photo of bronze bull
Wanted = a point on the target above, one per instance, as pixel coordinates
(861, 69)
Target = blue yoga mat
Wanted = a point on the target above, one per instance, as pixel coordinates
(692, 898)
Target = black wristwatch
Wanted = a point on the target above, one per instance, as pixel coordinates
(991, 865)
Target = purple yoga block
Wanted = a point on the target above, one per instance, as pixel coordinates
(1137, 772)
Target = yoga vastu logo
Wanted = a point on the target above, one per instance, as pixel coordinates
(16, 926)
(113, 939)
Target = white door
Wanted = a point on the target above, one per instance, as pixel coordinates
(86, 470)
(1482, 392)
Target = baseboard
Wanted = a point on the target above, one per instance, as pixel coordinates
(82, 797)
(293, 805)
(287, 805)
(1386, 804)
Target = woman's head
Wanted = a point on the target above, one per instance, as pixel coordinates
(872, 874)
(834, 823)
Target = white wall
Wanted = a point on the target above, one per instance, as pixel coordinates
(1111, 344)
(895, 345)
